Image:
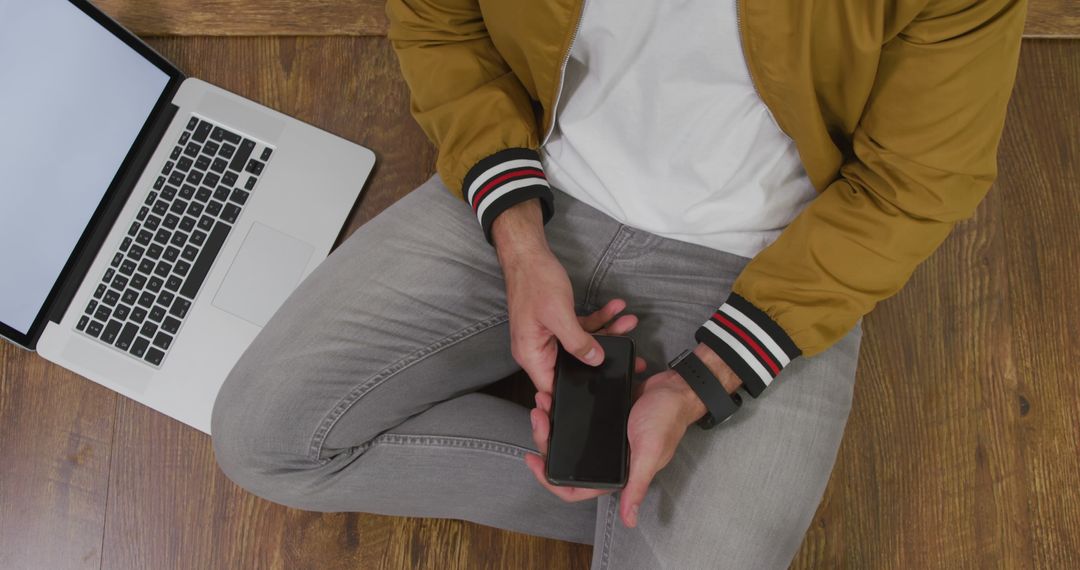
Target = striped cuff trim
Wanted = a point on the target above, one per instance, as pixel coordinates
(751, 343)
(503, 179)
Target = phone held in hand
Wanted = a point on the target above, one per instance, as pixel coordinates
(587, 444)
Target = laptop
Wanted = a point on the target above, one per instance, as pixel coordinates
(150, 223)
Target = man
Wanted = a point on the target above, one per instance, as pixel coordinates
(789, 162)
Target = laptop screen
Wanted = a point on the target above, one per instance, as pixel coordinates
(73, 99)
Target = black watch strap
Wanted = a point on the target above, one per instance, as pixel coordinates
(707, 386)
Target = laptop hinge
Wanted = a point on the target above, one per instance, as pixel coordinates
(146, 147)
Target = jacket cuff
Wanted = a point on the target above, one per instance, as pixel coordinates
(503, 179)
(749, 342)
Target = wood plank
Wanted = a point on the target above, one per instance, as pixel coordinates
(1046, 18)
(962, 447)
(170, 507)
(54, 463)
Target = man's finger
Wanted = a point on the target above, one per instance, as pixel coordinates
(540, 429)
(576, 341)
(621, 326)
(637, 484)
(639, 365)
(543, 401)
(599, 318)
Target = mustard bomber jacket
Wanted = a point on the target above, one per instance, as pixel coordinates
(896, 108)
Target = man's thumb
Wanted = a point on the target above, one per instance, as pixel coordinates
(581, 344)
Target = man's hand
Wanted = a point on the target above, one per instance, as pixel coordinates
(540, 299)
(664, 406)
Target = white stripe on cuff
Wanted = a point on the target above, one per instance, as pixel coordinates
(742, 351)
(499, 168)
(758, 333)
(499, 192)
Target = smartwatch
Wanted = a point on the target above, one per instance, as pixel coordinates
(719, 404)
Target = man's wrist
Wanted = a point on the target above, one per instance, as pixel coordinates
(519, 230)
(693, 408)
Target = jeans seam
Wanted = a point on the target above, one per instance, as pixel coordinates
(358, 392)
(609, 532)
(618, 241)
(460, 442)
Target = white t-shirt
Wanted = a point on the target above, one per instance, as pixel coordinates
(659, 126)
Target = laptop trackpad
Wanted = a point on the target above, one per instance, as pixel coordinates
(266, 269)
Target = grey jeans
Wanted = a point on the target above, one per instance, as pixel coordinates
(360, 394)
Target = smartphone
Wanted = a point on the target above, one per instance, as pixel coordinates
(587, 444)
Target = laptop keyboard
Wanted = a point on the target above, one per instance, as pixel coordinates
(144, 296)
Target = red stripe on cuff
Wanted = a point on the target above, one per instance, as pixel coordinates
(749, 341)
(479, 197)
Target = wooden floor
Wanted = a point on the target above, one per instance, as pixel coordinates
(962, 450)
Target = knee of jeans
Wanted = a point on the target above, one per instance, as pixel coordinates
(254, 440)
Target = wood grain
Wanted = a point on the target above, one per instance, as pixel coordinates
(1047, 18)
(55, 440)
(963, 448)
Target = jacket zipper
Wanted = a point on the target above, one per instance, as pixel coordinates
(562, 73)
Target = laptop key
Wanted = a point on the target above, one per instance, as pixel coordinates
(157, 313)
(219, 165)
(211, 148)
(184, 138)
(180, 307)
(134, 229)
(173, 284)
(127, 267)
(154, 251)
(168, 168)
(194, 209)
(94, 328)
(154, 356)
(184, 164)
(170, 221)
(83, 320)
(146, 300)
(130, 297)
(197, 237)
(159, 183)
(117, 259)
(165, 298)
(144, 238)
(255, 167)
(124, 245)
(205, 223)
(243, 153)
(119, 282)
(211, 179)
(178, 207)
(176, 178)
(160, 207)
(239, 196)
(138, 315)
(203, 194)
(99, 291)
(111, 297)
(186, 191)
(102, 313)
(109, 273)
(192, 150)
(206, 258)
(230, 213)
(222, 193)
(121, 312)
(190, 253)
(163, 269)
(217, 134)
(182, 268)
(170, 325)
(250, 184)
(192, 122)
(91, 307)
(154, 285)
(152, 223)
(188, 222)
(229, 178)
(171, 253)
(162, 340)
(142, 213)
(149, 329)
(227, 151)
(202, 131)
(111, 330)
(138, 281)
(230, 137)
(138, 348)
(146, 265)
(123, 342)
(202, 163)
(151, 197)
(175, 154)
(266, 154)
(179, 239)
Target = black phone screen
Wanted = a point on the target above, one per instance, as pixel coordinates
(590, 407)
